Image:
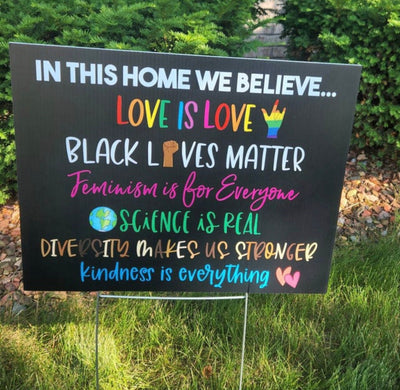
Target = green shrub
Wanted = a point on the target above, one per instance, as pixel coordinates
(8, 185)
(354, 31)
(212, 27)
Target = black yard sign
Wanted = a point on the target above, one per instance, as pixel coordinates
(147, 171)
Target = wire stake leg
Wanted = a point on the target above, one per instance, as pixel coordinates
(244, 339)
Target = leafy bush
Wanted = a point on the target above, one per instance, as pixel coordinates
(212, 27)
(354, 31)
(7, 157)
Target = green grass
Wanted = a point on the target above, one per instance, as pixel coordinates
(346, 339)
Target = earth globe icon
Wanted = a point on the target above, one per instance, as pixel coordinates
(103, 219)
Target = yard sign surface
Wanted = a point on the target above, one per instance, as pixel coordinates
(147, 171)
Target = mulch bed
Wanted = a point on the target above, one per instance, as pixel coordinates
(370, 199)
(369, 205)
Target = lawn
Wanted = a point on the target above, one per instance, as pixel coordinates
(348, 338)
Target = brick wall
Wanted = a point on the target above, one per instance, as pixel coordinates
(273, 46)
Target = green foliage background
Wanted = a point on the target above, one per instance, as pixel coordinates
(209, 27)
(348, 31)
(366, 32)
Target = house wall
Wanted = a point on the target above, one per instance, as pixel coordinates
(273, 45)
